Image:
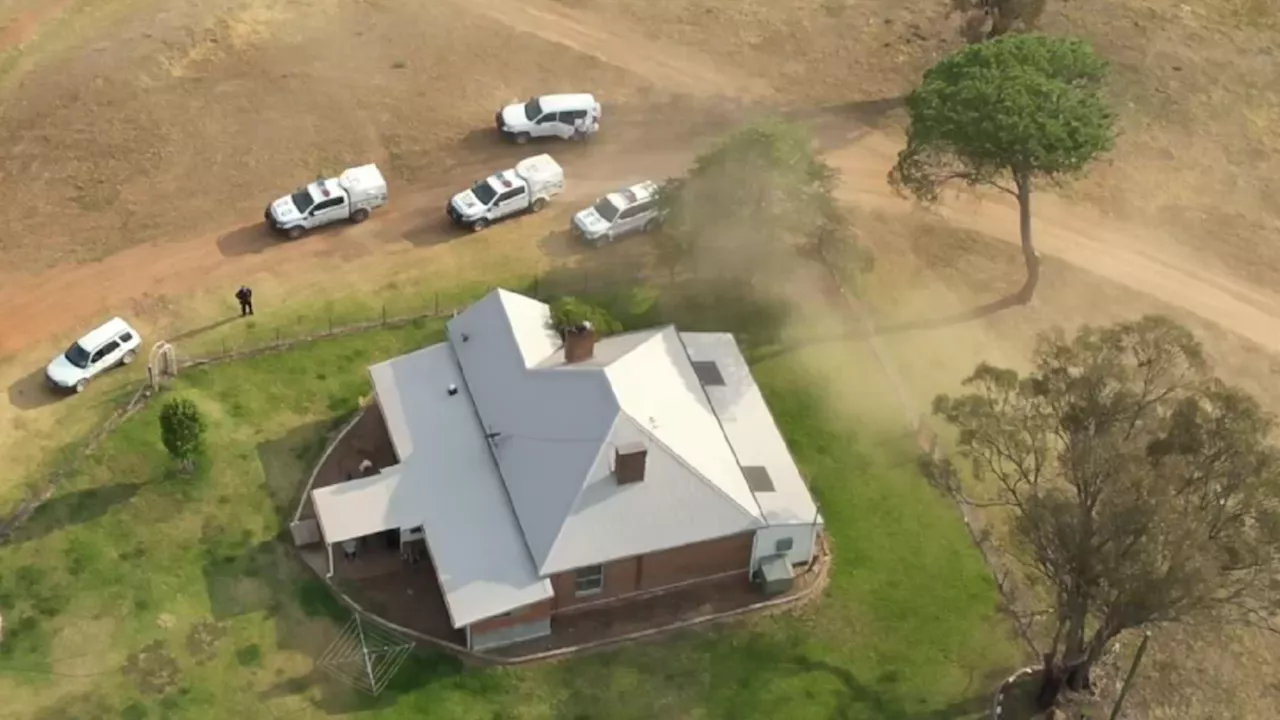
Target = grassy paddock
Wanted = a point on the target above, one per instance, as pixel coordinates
(139, 594)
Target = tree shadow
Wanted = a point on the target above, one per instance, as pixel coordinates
(965, 316)
(74, 508)
(31, 392)
(835, 126)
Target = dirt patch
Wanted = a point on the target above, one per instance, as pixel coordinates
(23, 27)
(203, 640)
(153, 669)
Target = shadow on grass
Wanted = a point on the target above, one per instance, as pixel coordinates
(74, 508)
(753, 676)
(204, 328)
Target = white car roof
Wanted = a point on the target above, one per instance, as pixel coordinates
(567, 101)
(105, 332)
(628, 196)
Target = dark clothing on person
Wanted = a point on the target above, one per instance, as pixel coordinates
(245, 296)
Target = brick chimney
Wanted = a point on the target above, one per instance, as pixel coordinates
(629, 463)
(579, 343)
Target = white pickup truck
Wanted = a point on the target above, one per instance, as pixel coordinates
(526, 187)
(350, 196)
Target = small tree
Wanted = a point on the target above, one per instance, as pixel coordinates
(1005, 114)
(989, 19)
(759, 189)
(182, 431)
(568, 312)
(1142, 489)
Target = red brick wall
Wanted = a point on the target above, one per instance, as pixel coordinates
(537, 611)
(660, 569)
(620, 578)
(714, 557)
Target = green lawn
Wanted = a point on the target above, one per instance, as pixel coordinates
(139, 594)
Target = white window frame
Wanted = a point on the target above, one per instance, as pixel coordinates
(590, 574)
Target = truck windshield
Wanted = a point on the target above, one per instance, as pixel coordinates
(302, 200)
(484, 192)
(77, 355)
(606, 210)
(532, 110)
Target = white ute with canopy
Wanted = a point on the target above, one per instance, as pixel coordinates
(526, 187)
(350, 196)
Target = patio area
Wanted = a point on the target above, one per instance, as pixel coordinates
(367, 439)
(387, 585)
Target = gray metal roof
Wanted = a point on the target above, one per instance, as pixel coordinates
(554, 427)
(752, 431)
(446, 482)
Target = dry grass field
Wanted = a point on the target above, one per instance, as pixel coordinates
(142, 138)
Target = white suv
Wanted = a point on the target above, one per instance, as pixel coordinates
(113, 343)
(568, 115)
(632, 209)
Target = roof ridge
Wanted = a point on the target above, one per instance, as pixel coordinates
(582, 488)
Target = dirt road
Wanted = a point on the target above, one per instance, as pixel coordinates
(56, 303)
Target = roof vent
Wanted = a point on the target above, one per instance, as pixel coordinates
(579, 343)
(453, 389)
(708, 372)
(629, 463)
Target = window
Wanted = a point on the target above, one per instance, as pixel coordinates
(708, 372)
(548, 119)
(327, 204)
(106, 350)
(784, 545)
(571, 116)
(758, 478)
(77, 355)
(126, 337)
(302, 200)
(484, 192)
(532, 109)
(588, 580)
(628, 213)
(511, 194)
(606, 210)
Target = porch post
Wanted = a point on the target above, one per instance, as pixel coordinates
(329, 546)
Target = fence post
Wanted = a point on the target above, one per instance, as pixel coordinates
(330, 321)
(1133, 670)
(536, 296)
(277, 335)
(384, 313)
(437, 310)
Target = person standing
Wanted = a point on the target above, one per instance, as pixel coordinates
(245, 296)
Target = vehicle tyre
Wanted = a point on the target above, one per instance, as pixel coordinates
(294, 233)
(81, 385)
(538, 204)
(479, 225)
(359, 216)
(128, 357)
(652, 225)
(522, 138)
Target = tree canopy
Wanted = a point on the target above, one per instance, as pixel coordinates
(1005, 114)
(1143, 490)
(182, 430)
(760, 189)
(568, 312)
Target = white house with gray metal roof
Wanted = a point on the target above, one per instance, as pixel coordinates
(546, 473)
